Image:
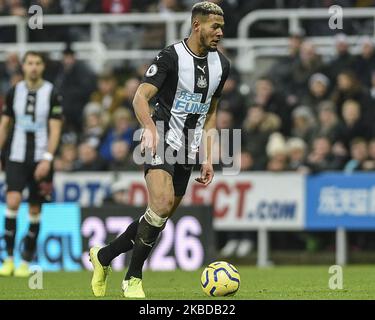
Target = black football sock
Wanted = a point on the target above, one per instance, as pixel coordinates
(121, 244)
(144, 242)
(31, 241)
(10, 230)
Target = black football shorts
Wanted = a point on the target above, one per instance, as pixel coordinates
(180, 170)
(20, 175)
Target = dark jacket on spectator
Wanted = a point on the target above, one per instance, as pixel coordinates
(75, 85)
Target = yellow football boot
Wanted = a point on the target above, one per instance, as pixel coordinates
(133, 288)
(99, 277)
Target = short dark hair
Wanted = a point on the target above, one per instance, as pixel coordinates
(69, 51)
(266, 78)
(358, 140)
(205, 8)
(34, 53)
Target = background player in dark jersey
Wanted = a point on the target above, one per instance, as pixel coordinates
(186, 78)
(33, 115)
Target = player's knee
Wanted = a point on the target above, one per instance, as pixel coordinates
(163, 205)
(13, 200)
(34, 210)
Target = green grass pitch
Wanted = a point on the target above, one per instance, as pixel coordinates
(282, 282)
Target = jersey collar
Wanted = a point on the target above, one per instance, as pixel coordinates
(191, 52)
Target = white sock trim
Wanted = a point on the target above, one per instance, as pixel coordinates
(11, 214)
(153, 218)
(34, 218)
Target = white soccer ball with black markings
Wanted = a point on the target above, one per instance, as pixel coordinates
(220, 279)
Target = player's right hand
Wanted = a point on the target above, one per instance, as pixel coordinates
(150, 139)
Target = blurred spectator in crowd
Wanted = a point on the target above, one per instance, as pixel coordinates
(119, 194)
(116, 6)
(120, 153)
(272, 101)
(8, 69)
(365, 63)
(66, 159)
(89, 159)
(358, 154)
(121, 157)
(95, 123)
(75, 82)
(369, 164)
(128, 92)
(170, 6)
(122, 130)
(143, 5)
(296, 149)
(256, 129)
(348, 87)
(321, 157)
(244, 161)
(328, 122)
(282, 68)
(372, 87)
(224, 119)
(107, 95)
(304, 123)
(73, 6)
(343, 59)
(353, 126)
(295, 41)
(276, 153)
(369, 112)
(53, 67)
(119, 36)
(309, 62)
(16, 8)
(4, 10)
(232, 100)
(318, 91)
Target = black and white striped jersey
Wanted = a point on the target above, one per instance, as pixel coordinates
(186, 84)
(31, 111)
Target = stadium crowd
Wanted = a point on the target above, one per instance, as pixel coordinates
(309, 113)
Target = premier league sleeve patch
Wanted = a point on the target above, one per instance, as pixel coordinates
(152, 70)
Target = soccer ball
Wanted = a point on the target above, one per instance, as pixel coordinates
(220, 279)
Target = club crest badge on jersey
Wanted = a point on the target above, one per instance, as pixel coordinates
(156, 160)
(202, 82)
(152, 70)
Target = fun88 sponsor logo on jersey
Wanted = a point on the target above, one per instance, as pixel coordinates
(190, 103)
(27, 124)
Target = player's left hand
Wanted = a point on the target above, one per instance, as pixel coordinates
(207, 174)
(42, 170)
